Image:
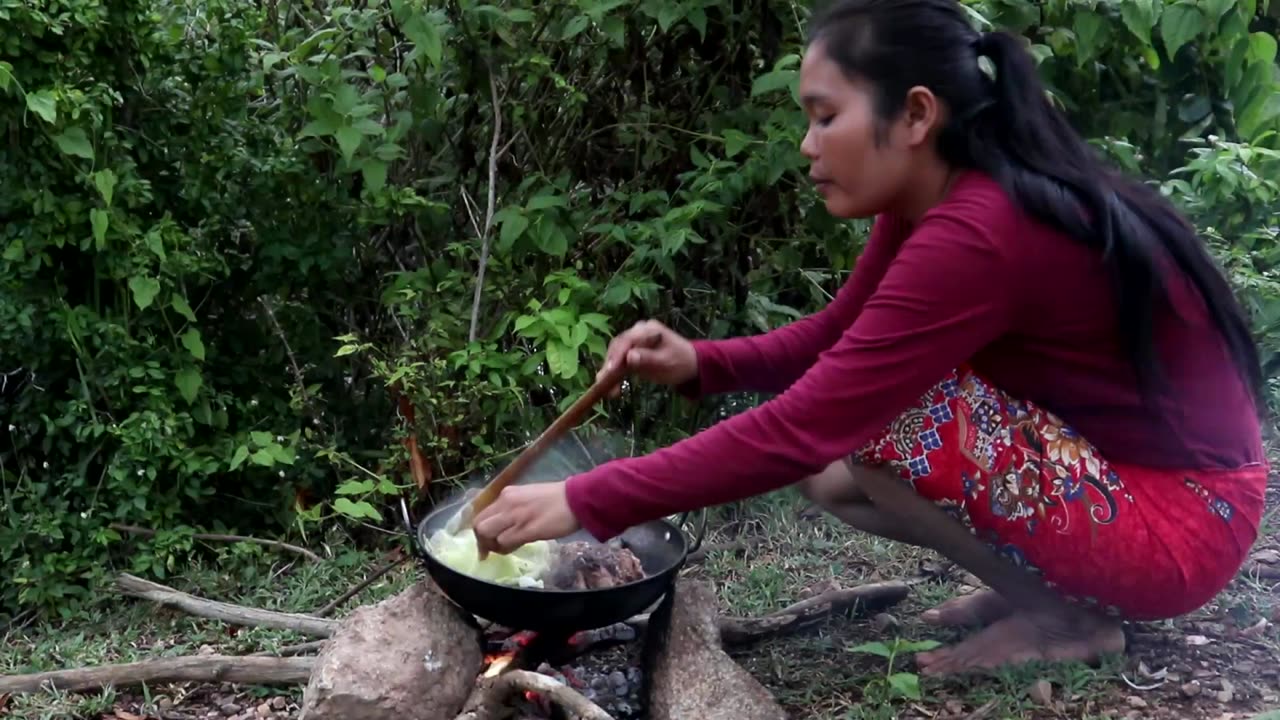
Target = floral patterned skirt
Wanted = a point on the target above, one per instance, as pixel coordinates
(1134, 542)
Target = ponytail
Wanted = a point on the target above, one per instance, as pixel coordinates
(1028, 146)
(1005, 126)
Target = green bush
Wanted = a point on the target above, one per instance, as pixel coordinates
(242, 241)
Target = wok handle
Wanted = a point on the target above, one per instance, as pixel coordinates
(695, 543)
(408, 527)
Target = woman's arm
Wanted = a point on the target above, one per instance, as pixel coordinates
(772, 361)
(944, 296)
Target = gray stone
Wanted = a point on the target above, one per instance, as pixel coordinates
(414, 656)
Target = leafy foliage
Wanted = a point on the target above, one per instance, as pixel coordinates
(265, 265)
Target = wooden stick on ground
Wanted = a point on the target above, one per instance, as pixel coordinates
(491, 698)
(194, 668)
(225, 612)
(214, 537)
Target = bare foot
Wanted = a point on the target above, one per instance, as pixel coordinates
(1021, 637)
(981, 607)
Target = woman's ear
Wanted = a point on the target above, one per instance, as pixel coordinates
(921, 115)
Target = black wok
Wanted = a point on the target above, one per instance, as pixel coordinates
(660, 546)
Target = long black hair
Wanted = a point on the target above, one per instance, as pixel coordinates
(1006, 127)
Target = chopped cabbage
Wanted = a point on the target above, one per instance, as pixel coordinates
(524, 567)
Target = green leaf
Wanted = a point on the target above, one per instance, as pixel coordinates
(873, 648)
(105, 181)
(734, 142)
(6, 75)
(668, 13)
(354, 487)
(916, 646)
(320, 127)
(43, 104)
(697, 17)
(513, 226)
(99, 219)
(542, 202)
(261, 438)
(193, 343)
(773, 81)
(905, 684)
(349, 139)
(144, 290)
(264, 458)
(575, 26)
(180, 306)
(1091, 31)
(346, 350)
(615, 28)
(552, 240)
(425, 34)
(1179, 25)
(15, 251)
(241, 454)
(188, 382)
(360, 509)
(1216, 9)
(73, 141)
(1140, 17)
(562, 360)
(375, 174)
(1262, 48)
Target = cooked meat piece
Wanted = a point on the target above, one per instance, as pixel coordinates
(582, 565)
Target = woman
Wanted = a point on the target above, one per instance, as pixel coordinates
(1035, 369)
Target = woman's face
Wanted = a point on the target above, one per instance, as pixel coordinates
(856, 177)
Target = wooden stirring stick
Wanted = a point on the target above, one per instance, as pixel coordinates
(567, 421)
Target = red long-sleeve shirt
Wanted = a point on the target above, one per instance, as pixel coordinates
(978, 281)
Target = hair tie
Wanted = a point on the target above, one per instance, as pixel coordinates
(981, 44)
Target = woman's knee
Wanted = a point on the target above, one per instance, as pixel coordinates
(835, 485)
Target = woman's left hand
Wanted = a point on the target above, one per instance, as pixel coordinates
(523, 514)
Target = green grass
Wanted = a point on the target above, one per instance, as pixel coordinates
(817, 674)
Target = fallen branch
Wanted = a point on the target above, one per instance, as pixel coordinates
(306, 648)
(225, 612)
(492, 697)
(214, 537)
(193, 668)
(327, 610)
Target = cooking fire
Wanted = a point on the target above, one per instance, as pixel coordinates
(600, 664)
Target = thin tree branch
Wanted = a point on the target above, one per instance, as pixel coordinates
(215, 537)
(488, 219)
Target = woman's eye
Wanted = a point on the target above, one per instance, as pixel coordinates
(824, 121)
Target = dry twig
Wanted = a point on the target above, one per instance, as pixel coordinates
(327, 610)
(215, 537)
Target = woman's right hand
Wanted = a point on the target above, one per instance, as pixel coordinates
(654, 352)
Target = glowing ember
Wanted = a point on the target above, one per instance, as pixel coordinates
(498, 664)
